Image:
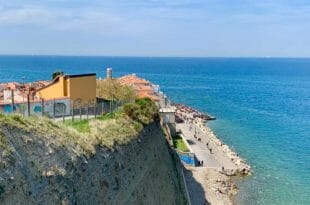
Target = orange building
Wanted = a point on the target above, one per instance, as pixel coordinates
(143, 88)
(81, 88)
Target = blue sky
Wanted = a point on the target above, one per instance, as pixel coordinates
(156, 27)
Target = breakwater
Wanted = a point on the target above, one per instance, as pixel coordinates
(185, 112)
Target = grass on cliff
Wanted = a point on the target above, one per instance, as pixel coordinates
(5, 150)
(83, 126)
(107, 116)
(80, 125)
(84, 136)
(119, 127)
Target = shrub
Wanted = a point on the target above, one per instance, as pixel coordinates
(138, 126)
(17, 118)
(143, 102)
(130, 109)
(143, 110)
(116, 131)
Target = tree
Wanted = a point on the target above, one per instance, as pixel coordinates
(57, 73)
(111, 89)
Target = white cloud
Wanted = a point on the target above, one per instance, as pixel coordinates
(141, 25)
(21, 16)
(88, 20)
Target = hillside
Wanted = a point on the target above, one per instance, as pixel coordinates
(43, 162)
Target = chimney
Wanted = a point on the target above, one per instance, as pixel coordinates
(109, 73)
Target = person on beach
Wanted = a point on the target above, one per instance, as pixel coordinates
(223, 169)
(210, 150)
(202, 163)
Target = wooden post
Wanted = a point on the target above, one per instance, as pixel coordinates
(80, 112)
(72, 112)
(87, 110)
(102, 108)
(54, 109)
(95, 109)
(42, 107)
(28, 104)
(63, 112)
(12, 98)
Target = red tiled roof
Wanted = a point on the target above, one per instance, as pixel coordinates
(142, 87)
(132, 80)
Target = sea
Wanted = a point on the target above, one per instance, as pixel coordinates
(262, 106)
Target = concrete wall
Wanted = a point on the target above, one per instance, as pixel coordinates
(167, 117)
(36, 107)
(54, 90)
(82, 88)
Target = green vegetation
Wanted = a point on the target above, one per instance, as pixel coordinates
(83, 136)
(111, 89)
(80, 125)
(5, 149)
(45, 129)
(107, 116)
(4, 145)
(179, 144)
(117, 131)
(3, 141)
(57, 73)
(142, 110)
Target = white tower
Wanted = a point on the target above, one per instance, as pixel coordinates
(109, 73)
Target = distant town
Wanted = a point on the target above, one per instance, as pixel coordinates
(63, 91)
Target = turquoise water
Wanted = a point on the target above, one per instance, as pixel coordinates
(262, 108)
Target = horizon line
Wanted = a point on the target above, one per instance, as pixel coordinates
(141, 56)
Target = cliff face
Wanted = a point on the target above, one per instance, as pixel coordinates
(36, 171)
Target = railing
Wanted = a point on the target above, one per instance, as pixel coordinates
(60, 108)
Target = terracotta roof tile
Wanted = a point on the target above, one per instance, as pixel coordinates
(142, 87)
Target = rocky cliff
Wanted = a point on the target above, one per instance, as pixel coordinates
(38, 170)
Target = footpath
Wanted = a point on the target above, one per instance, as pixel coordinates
(201, 144)
(209, 183)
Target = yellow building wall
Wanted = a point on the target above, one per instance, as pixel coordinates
(82, 88)
(56, 90)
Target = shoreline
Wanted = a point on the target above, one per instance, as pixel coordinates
(242, 167)
(216, 178)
